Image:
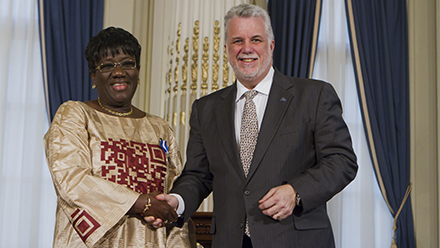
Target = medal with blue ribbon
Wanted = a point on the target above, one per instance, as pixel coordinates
(163, 144)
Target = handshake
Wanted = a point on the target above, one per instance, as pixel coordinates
(156, 208)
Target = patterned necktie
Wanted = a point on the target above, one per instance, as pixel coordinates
(248, 136)
(248, 131)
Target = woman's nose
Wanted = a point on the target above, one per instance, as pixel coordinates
(118, 70)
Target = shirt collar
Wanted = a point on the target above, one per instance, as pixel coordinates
(263, 87)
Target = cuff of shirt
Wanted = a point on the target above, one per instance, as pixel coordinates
(181, 207)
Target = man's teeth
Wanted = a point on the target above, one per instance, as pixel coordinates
(248, 60)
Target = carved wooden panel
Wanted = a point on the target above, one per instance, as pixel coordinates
(202, 223)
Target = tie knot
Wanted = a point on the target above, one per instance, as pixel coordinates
(250, 94)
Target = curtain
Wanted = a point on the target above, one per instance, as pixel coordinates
(379, 41)
(68, 26)
(27, 197)
(295, 25)
(359, 215)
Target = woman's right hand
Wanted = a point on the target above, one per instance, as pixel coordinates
(160, 209)
(171, 200)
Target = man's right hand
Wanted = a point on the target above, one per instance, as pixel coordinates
(160, 209)
(159, 221)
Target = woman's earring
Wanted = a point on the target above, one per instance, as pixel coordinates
(93, 86)
(139, 81)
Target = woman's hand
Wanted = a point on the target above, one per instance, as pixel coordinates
(157, 209)
(171, 200)
(160, 209)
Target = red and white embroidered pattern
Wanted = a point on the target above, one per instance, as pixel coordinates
(84, 224)
(141, 167)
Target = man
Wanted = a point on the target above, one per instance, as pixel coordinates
(302, 157)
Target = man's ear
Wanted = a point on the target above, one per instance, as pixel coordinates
(272, 45)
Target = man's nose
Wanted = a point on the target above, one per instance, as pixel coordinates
(247, 47)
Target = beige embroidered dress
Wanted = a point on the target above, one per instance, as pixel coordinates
(99, 165)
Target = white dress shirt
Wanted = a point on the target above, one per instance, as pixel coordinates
(260, 100)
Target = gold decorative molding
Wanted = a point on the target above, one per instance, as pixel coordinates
(176, 76)
(168, 80)
(171, 68)
(185, 66)
(216, 57)
(195, 57)
(174, 119)
(176, 69)
(182, 118)
(205, 67)
(225, 68)
(183, 88)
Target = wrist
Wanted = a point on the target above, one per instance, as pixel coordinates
(147, 205)
(298, 199)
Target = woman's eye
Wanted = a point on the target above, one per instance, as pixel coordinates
(128, 65)
(106, 67)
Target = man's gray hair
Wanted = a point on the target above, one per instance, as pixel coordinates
(249, 10)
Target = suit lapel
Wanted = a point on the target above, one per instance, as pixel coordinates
(225, 122)
(277, 104)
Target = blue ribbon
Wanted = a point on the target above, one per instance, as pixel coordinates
(163, 144)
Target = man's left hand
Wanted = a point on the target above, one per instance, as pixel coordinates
(279, 202)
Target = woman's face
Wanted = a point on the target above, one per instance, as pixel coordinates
(117, 86)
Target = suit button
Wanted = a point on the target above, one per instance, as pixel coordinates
(241, 225)
(247, 192)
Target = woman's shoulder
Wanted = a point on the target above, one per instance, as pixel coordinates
(71, 110)
(71, 105)
(71, 115)
(159, 124)
(154, 119)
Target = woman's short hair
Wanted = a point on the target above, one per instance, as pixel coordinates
(111, 41)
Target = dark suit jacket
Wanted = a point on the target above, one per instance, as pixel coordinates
(303, 141)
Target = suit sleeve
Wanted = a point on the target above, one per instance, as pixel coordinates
(336, 163)
(195, 182)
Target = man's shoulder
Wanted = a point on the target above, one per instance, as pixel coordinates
(298, 84)
(280, 77)
(219, 94)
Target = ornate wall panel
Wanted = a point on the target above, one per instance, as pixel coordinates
(196, 63)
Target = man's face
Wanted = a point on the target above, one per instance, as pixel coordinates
(249, 50)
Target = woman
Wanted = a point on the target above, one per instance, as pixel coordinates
(108, 159)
